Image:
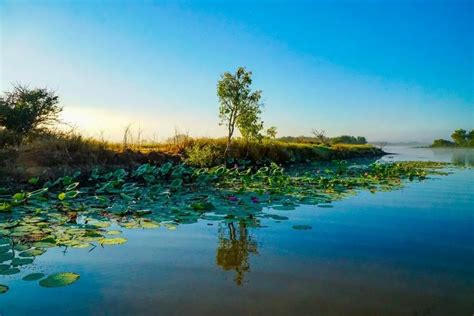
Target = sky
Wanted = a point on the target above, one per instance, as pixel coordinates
(388, 70)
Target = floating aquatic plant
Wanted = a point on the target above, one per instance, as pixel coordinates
(59, 279)
(33, 277)
(3, 289)
(83, 211)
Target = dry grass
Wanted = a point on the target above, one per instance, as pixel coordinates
(59, 153)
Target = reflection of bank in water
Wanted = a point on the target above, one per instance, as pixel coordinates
(463, 157)
(235, 246)
(459, 156)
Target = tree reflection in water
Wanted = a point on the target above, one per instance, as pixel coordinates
(235, 246)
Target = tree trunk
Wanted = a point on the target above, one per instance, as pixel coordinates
(227, 146)
(229, 139)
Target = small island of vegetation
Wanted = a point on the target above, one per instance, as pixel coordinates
(461, 138)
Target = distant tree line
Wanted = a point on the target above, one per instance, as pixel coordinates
(343, 139)
(460, 137)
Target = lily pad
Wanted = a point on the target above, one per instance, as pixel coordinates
(283, 207)
(6, 256)
(113, 241)
(20, 247)
(32, 253)
(114, 232)
(149, 225)
(277, 217)
(10, 271)
(325, 205)
(302, 227)
(33, 277)
(4, 241)
(3, 289)
(21, 261)
(59, 279)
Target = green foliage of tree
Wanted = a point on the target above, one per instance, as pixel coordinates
(239, 106)
(442, 143)
(271, 132)
(25, 111)
(470, 138)
(459, 137)
(250, 125)
(346, 139)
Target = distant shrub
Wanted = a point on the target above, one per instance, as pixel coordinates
(319, 138)
(442, 143)
(203, 156)
(346, 139)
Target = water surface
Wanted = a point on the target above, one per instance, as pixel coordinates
(405, 252)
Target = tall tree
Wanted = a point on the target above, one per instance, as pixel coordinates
(239, 106)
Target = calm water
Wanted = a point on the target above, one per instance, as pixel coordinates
(405, 252)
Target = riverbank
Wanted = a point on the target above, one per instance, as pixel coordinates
(55, 156)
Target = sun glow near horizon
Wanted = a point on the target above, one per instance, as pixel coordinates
(110, 125)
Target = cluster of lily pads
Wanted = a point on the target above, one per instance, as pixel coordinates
(77, 211)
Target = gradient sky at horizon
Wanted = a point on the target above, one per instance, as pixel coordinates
(389, 70)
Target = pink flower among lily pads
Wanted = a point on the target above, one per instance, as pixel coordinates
(233, 198)
(255, 199)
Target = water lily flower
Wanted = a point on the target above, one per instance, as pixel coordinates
(233, 198)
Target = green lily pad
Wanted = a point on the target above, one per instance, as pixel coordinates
(20, 247)
(4, 249)
(325, 205)
(202, 206)
(6, 256)
(101, 224)
(149, 225)
(3, 289)
(32, 253)
(59, 279)
(4, 241)
(42, 244)
(302, 227)
(21, 261)
(113, 241)
(10, 271)
(33, 277)
(277, 217)
(283, 207)
(81, 245)
(114, 232)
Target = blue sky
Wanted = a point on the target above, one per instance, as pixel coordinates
(389, 70)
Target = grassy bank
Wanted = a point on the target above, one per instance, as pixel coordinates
(59, 154)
